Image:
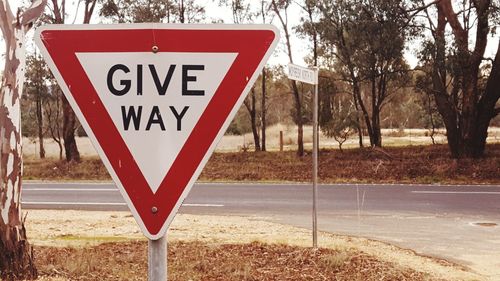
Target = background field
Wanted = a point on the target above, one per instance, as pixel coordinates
(229, 143)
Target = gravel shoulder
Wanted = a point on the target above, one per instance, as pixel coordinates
(90, 228)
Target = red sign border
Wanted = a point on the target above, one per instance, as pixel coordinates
(59, 45)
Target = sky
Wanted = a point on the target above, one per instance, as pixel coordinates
(300, 47)
(213, 13)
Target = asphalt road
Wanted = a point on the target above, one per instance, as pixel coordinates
(442, 221)
(271, 199)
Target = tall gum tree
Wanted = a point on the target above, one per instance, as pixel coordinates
(466, 96)
(242, 13)
(280, 8)
(16, 259)
(57, 15)
(367, 39)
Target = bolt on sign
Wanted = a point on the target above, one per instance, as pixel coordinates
(155, 99)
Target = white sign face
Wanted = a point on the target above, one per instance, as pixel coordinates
(145, 100)
(155, 99)
(302, 74)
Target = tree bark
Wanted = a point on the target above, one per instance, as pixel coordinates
(263, 13)
(39, 117)
(364, 111)
(16, 254)
(358, 122)
(486, 107)
(69, 128)
(263, 111)
(252, 111)
(298, 118)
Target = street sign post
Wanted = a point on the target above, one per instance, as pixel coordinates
(310, 76)
(155, 99)
(302, 74)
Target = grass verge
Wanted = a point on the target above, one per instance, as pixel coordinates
(412, 164)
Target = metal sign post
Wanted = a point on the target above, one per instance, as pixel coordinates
(315, 161)
(310, 76)
(157, 259)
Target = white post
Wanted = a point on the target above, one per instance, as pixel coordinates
(157, 259)
(315, 161)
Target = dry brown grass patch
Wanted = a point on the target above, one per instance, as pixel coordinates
(414, 164)
(202, 261)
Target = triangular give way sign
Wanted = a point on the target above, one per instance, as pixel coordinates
(155, 99)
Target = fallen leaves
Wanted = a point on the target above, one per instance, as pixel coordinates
(203, 261)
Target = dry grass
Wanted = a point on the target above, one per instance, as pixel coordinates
(202, 261)
(415, 164)
(90, 168)
(391, 137)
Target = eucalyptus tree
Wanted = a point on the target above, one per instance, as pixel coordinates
(281, 9)
(56, 14)
(16, 254)
(367, 40)
(266, 16)
(465, 81)
(241, 11)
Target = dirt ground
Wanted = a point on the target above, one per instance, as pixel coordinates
(69, 243)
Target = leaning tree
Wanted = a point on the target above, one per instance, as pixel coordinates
(16, 258)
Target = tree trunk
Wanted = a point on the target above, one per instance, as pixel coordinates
(486, 108)
(295, 90)
(69, 127)
(298, 119)
(376, 131)
(16, 254)
(263, 111)
(360, 132)
(364, 111)
(431, 117)
(358, 122)
(252, 111)
(69, 117)
(39, 117)
(57, 135)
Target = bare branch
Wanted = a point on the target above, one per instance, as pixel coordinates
(416, 10)
(457, 28)
(58, 11)
(32, 13)
(89, 10)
